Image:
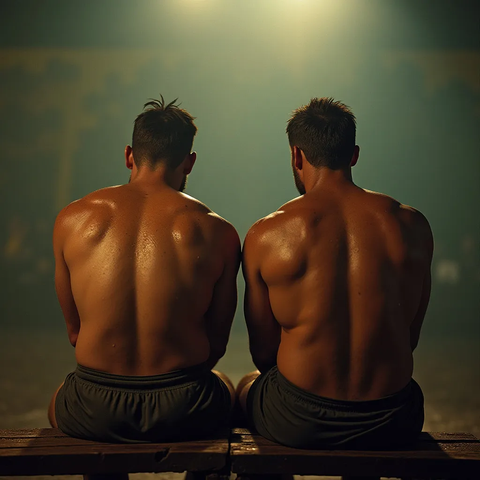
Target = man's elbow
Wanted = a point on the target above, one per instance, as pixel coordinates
(215, 355)
(264, 362)
(72, 332)
(414, 338)
(264, 367)
(73, 339)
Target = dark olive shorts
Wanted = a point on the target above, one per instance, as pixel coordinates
(180, 405)
(286, 414)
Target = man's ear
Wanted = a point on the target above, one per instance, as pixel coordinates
(129, 157)
(298, 158)
(189, 162)
(356, 154)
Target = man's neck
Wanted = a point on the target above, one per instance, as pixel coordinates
(323, 178)
(157, 179)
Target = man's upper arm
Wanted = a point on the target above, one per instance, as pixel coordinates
(263, 329)
(426, 245)
(224, 300)
(62, 280)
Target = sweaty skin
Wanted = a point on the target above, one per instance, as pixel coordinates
(146, 278)
(337, 285)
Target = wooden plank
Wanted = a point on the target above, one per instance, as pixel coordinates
(449, 451)
(49, 441)
(454, 449)
(446, 437)
(32, 432)
(424, 436)
(29, 443)
(212, 447)
(255, 454)
(50, 452)
(113, 459)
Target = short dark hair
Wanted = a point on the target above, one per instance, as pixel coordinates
(162, 133)
(325, 131)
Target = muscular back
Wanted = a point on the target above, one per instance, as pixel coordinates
(143, 266)
(345, 272)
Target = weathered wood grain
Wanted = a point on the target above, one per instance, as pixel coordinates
(50, 452)
(443, 455)
(424, 436)
(32, 432)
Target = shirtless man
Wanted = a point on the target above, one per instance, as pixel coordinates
(337, 286)
(146, 279)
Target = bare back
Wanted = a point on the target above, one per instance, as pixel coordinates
(345, 272)
(143, 267)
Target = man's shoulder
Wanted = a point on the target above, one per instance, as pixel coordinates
(196, 211)
(382, 200)
(419, 225)
(264, 225)
(411, 218)
(93, 213)
(192, 205)
(393, 205)
(97, 199)
(269, 227)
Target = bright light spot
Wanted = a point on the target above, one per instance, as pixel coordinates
(191, 6)
(196, 2)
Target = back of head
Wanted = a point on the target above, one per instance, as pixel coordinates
(162, 134)
(325, 131)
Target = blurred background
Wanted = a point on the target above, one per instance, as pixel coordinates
(74, 75)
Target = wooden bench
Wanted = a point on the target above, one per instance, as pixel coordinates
(50, 452)
(436, 455)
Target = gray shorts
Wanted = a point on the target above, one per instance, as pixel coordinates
(180, 405)
(286, 414)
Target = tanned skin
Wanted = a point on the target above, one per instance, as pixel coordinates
(146, 276)
(337, 286)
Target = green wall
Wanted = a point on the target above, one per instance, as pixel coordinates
(73, 76)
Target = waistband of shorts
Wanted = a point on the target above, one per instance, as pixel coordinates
(385, 403)
(148, 382)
